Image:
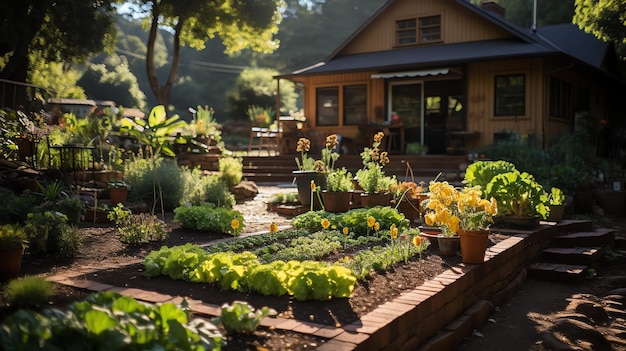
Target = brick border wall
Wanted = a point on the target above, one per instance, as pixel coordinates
(438, 314)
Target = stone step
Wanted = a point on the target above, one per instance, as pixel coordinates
(595, 238)
(573, 255)
(560, 272)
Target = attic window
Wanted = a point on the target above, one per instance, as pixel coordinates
(423, 30)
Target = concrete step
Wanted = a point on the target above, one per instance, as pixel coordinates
(573, 255)
(596, 238)
(560, 272)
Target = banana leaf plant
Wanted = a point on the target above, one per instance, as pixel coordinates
(156, 131)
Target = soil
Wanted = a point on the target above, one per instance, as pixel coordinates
(101, 247)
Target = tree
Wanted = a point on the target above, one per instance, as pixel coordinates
(240, 24)
(606, 19)
(62, 31)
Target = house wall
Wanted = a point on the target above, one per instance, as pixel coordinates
(457, 26)
(480, 100)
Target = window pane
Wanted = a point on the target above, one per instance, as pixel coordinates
(430, 29)
(407, 24)
(327, 106)
(355, 104)
(406, 32)
(510, 95)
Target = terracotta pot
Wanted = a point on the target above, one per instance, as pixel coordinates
(556, 213)
(411, 209)
(432, 237)
(473, 245)
(97, 216)
(356, 199)
(448, 246)
(336, 201)
(303, 183)
(373, 200)
(10, 264)
(118, 195)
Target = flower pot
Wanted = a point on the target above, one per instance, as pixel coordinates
(448, 246)
(556, 213)
(356, 198)
(373, 200)
(411, 209)
(10, 263)
(118, 195)
(303, 183)
(473, 245)
(431, 236)
(336, 201)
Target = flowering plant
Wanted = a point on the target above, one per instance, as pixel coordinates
(452, 209)
(371, 177)
(329, 155)
(407, 190)
(329, 152)
(305, 163)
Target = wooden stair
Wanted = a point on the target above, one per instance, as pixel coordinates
(571, 255)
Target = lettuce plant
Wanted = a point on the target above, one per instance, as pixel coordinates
(207, 217)
(240, 317)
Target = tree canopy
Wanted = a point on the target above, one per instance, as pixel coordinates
(240, 24)
(606, 19)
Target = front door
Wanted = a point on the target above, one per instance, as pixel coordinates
(405, 100)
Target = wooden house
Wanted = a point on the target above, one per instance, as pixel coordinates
(456, 76)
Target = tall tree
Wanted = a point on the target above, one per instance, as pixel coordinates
(606, 19)
(68, 30)
(240, 24)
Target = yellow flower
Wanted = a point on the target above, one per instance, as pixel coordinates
(384, 158)
(331, 141)
(370, 221)
(313, 186)
(379, 137)
(273, 228)
(376, 226)
(417, 241)
(325, 223)
(394, 231)
(234, 223)
(346, 231)
(303, 145)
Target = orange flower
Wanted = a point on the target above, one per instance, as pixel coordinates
(273, 228)
(325, 223)
(417, 241)
(234, 223)
(370, 221)
(313, 186)
(346, 231)
(394, 231)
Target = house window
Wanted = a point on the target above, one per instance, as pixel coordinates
(354, 104)
(327, 106)
(560, 99)
(430, 29)
(423, 30)
(406, 32)
(510, 95)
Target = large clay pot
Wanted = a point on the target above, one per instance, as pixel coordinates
(10, 264)
(556, 213)
(411, 209)
(336, 201)
(118, 195)
(303, 183)
(448, 246)
(473, 245)
(373, 200)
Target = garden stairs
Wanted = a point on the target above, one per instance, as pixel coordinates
(570, 256)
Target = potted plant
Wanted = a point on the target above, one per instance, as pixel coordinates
(416, 148)
(556, 204)
(13, 241)
(522, 200)
(407, 196)
(371, 178)
(463, 217)
(309, 170)
(338, 193)
(118, 191)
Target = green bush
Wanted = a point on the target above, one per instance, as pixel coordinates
(231, 170)
(217, 193)
(44, 231)
(29, 291)
(15, 208)
(199, 188)
(209, 218)
(69, 242)
(157, 182)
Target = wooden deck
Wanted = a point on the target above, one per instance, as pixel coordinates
(277, 169)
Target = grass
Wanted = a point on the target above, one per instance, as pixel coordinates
(29, 291)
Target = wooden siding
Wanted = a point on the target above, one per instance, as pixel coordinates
(480, 99)
(457, 23)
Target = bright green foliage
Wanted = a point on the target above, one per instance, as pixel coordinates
(12, 237)
(606, 19)
(244, 272)
(209, 218)
(155, 131)
(255, 241)
(339, 180)
(240, 317)
(157, 182)
(482, 172)
(108, 321)
(29, 291)
(355, 220)
(556, 196)
(518, 194)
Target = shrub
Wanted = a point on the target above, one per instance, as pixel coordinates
(16, 208)
(29, 291)
(44, 231)
(137, 228)
(157, 183)
(69, 242)
(199, 189)
(231, 170)
(218, 194)
(209, 218)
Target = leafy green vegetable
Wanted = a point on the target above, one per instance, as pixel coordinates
(242, 317)
(209, 218)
